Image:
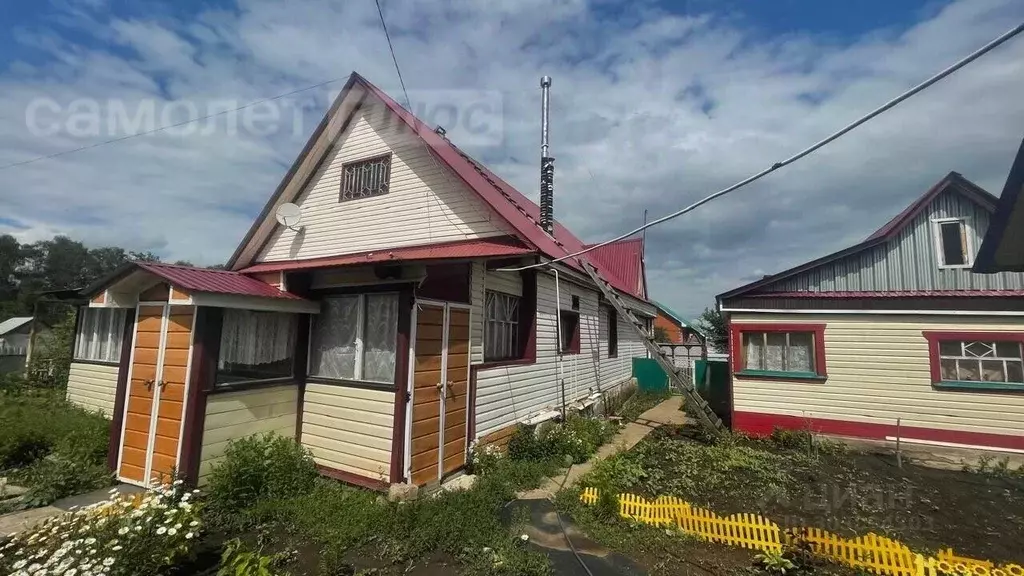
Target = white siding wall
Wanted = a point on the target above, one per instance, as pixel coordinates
(349, 429)
(93, 386)
(234, 415)
(619, 369)
(878, 371)
(509, 394)
(424, 205)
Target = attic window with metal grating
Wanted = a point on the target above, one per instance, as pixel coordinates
(366, 178)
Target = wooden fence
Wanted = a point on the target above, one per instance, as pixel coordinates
(871, 552)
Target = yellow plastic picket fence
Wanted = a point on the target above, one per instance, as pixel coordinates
(873, 553)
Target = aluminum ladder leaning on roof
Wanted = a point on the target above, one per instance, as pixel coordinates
(705, 416)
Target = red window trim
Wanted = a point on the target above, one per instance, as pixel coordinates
(934, 337)
(736, 342)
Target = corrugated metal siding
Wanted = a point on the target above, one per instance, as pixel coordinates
(878, 371)
(908, 262)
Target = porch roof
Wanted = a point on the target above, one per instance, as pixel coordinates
(478, 248)
(196, 280)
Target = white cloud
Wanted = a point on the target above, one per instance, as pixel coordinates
(650, 111)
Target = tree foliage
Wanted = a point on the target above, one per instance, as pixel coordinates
(713, 325)
(661, 334)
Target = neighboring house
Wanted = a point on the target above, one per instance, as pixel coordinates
(1003, 247)
(16, 342)
(382, 330)
(679, 331)
(896, 327)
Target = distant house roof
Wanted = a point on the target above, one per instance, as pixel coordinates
(507, 202)
(691, 324)
(12, 324)
(953, 180)
(1003, 247)
(197, 280)
(485, 247)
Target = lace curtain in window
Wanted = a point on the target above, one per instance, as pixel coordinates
(253, 338)
(356, 338)
(381, 337)
(334, 339)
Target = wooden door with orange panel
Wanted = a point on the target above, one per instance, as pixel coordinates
(456, 389)
(172, 387)
(133, 463)
(428, 373)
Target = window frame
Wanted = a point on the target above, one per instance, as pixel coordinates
(114, 330)
(218, 385)
(519, 348)
(613, 332)
(738, 358)
(573, 346)
(966, 238)
(360, 343)
(367, 160)
(934, 338)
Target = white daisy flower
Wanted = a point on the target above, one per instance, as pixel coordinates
(108, 561)
(172, 531)
(122, 530)
(161, 531)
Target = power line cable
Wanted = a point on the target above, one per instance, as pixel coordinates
(835, 136)
(391, 47)
(169, 126)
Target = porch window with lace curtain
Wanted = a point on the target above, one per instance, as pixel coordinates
(356, 338)
(256, 345)
(99, 334)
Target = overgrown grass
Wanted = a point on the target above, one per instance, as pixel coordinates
(574, 441)
(641, 402)
(50, 446)
(345, 525)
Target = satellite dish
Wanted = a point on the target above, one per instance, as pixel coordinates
(289, 215)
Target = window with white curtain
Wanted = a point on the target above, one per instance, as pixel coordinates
(99, 334)
(501, 328)
(779, 351)
(256, 345)
(356, 338)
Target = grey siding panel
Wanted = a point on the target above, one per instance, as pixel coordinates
(908, 261)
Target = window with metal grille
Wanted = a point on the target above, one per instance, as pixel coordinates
(366, 178)
(981, 361)
(501, 331)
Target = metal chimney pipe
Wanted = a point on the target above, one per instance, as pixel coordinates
(547, 164)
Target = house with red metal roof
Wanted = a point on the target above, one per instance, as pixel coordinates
(894, 336)
(391, 325)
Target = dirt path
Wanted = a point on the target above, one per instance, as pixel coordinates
(665, 413)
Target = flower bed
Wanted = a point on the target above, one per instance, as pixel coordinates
(124, 535)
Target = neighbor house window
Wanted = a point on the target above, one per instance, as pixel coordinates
(501, 328)
(99, 334)
(779, 350)
(981, 360)
(366, 178)
(256, 345)
(569, 337)
(356, 338)
(951, 243)
(613, 333)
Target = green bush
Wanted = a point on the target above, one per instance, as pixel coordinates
(38, 423)
(577, 438)
(790, 439)
(56, 477)
(259, 468)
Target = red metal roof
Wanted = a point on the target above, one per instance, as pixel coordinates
(890, 294)
(521, 212)
(485, 247)
(213, 281)
(624, 261)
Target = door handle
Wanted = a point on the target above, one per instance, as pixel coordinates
(149, 383)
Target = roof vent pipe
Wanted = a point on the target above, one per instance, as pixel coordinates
(547, 165)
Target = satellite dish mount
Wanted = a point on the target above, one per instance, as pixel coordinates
(289, 215)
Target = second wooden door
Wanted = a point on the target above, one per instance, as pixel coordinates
(440, 387)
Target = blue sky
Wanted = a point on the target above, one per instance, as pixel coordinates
(654, 105)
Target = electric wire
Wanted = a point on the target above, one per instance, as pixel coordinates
(805, 152)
